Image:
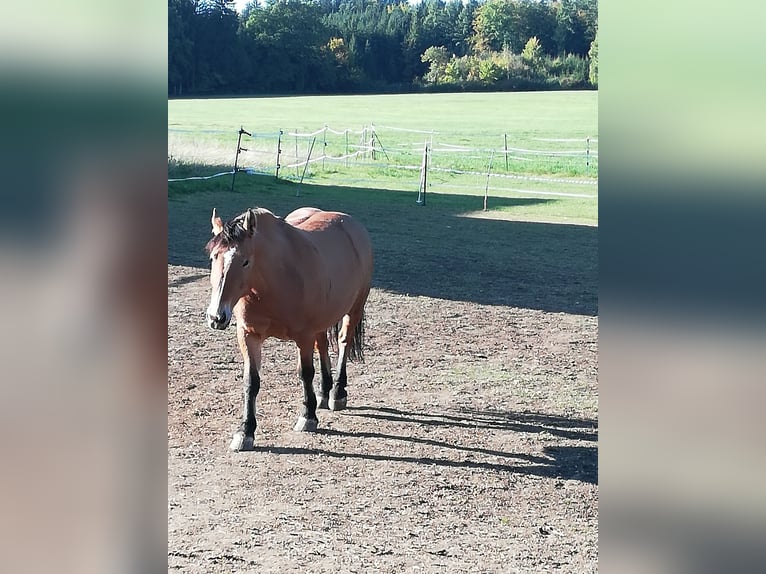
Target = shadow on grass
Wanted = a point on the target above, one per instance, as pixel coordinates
(432, 250)
(560, 461)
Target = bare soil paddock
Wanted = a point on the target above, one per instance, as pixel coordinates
(470, 442)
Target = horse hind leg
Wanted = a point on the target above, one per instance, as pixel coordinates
(307, 421)
(348, 342)
(325, 365)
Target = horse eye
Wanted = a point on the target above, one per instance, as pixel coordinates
(246, 263)
(215, 255)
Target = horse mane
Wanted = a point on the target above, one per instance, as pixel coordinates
(233, 231)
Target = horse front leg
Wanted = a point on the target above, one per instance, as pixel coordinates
(307, 421)
(250, 346)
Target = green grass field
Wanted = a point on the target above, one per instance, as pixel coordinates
(466, 132)
(552, 114)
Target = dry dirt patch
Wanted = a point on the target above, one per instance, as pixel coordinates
(470, 445)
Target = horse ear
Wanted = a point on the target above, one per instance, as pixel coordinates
(217, 223)
(248, 223)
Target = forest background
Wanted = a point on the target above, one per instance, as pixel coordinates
(291, 47)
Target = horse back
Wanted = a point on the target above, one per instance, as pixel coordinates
(342, 241)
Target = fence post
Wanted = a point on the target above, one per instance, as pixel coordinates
(324, 145)
(587, 155)
(236, 157)
(375, 138)
(305, 166)
(279, 152)
(296, 151)
(486, 187)
(372, 142)
(423, 176)
(505, 150)
(345, 132)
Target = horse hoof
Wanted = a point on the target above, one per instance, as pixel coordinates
(306, 425)
(241, 442)
(337, 404)
(322, 404)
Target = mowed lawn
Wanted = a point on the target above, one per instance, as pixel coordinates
(565, 114)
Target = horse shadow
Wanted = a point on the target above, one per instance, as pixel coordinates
(563, 461)
(441, 250)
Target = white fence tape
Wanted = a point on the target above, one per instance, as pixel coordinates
(201, 176)
(327, 129)
(300, 135)
(570, 140)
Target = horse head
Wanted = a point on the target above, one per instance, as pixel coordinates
(231, 260)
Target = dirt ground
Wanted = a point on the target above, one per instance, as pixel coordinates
(469, 444)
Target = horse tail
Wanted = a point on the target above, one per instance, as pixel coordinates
(355, 347)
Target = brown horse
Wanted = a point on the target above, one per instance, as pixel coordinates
(304, 278)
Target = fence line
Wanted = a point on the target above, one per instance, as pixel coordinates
(257, 155)
(401, 147)
(300, 135)
(328, 158)
(325, 129)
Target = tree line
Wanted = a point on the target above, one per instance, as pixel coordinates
(358, 46)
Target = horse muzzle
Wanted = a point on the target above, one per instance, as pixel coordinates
(219, 322)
